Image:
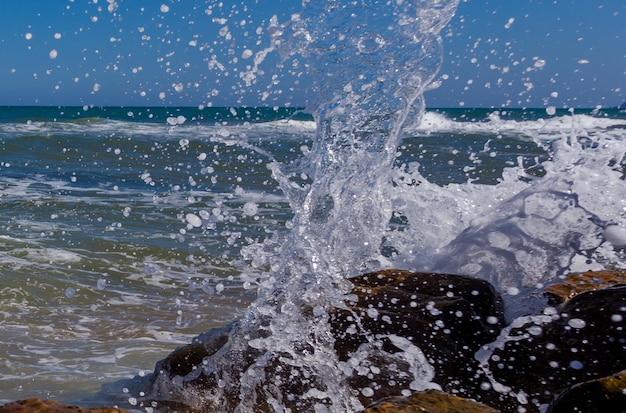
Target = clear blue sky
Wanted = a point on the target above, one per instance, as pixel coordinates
(522, 53)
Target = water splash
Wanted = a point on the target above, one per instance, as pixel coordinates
(370, 65)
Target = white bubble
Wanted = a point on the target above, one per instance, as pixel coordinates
(202, 156)
(539, 63)
(509, 23)
(372, 312)
(617, 318)
(247, 54)
(616, 235)
(576, 323)
(551, 110)
(492, 320)
(176, 120)
(576, 365)
(512, 291)
(28, 36)
(165, 8)
(178, 87)
(250, 209)
(57, 36)
(53, 54)
(96, 87)
(193, 220)
(367, 392)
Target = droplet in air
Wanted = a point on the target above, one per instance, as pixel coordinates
(193, 220)
(53, 54)
(576, 323)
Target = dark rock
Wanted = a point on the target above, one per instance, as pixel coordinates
(604, 395)
(581, 340)
(448, 317)
(431, 401)
(50, 406)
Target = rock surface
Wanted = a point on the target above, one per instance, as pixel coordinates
(607, 394)
(577, 283)
(431, 401)
(537, 357)
(50, 406)
(448, 317)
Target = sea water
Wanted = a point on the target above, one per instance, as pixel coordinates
(127, 231)
(122, 235)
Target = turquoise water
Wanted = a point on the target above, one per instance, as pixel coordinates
(122, 229)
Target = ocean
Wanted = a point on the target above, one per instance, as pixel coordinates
(127, 231)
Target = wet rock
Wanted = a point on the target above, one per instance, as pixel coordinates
(391, 319)
(607, 394)
(537, 357)
(447, 317)
(430, 401)
(50, 406)
(577, 283)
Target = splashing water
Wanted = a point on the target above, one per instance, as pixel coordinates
(370, 66)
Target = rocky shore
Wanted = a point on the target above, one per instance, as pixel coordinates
(569, 357)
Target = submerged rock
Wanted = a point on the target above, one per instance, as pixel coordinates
(50, 406)
(537, 357)
(431, 401)
(607, 394)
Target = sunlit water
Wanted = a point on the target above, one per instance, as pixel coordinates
(125, 232)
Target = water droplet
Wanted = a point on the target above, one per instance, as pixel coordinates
(576, 323)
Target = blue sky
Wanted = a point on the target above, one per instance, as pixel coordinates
(523, 53)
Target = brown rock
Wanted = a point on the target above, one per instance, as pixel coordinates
(50, 406)
(577, 283)
(604, 395)
(431, 401)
